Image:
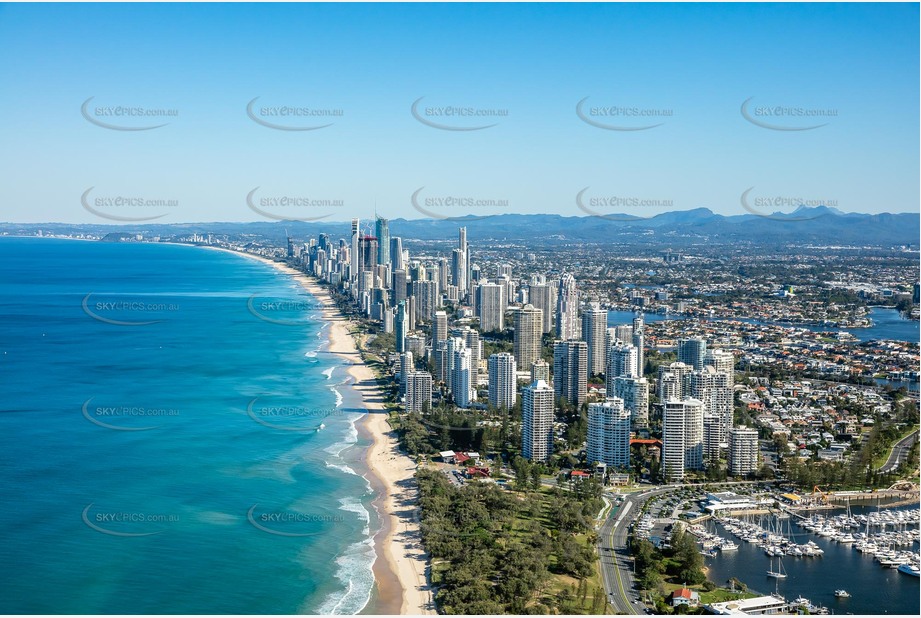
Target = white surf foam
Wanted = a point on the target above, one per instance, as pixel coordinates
(341, 468)
(356, 574)
(338, 395)
(350, 438)
(351, 504)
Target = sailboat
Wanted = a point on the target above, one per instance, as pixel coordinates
(779, 573)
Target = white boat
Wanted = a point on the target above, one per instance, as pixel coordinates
(322, 426)
(728, 545)
(842, 594)
(909, 569)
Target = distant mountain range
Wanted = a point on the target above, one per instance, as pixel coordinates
(820, 225)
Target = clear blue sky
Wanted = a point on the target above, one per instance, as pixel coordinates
(701, 62)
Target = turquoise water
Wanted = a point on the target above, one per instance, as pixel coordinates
(159, 439)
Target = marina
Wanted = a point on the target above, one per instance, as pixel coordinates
(821, 560)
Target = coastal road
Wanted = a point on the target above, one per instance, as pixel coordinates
(899, 452)
(614, 554)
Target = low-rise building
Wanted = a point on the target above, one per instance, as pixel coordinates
(757, 606)
(684, 596)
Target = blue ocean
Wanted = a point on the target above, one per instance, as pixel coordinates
(173, 438)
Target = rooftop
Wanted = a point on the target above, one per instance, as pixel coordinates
(749, 607)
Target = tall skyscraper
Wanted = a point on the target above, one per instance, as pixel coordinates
(691, 351)
(353, 256)
(382, 231)
(570, 371)
(460, 258)
(407, 366)
(511, 288)
(682, 437)
(622, 361)
(440, 327)
(744, 454)
(639, 343)
(388, 320)
(459, 271)
(419, 391)
(440, 360)
(713, 437)
(451, 346)
(714, 389)
(461, 383)
(542, 297)
(594, 332)
(567, 309)
(537, 421)
(400, 327)
(427, 299)
(368, 252)
(608, 434)
(411, 312)
(443, 271)
(502, 380)
(398, 284)
(471, 339)
(491, 306)
(635, 394)
(396, 254)
(526, 342)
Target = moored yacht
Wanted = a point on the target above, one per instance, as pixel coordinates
(910, 569)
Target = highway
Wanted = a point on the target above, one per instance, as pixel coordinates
(614, 554)
(616, 561)
(899, 452)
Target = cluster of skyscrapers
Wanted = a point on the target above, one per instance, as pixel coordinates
(695, 393)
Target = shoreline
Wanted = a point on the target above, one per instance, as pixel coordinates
(401, 566)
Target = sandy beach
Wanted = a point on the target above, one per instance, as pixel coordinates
(400, 569)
